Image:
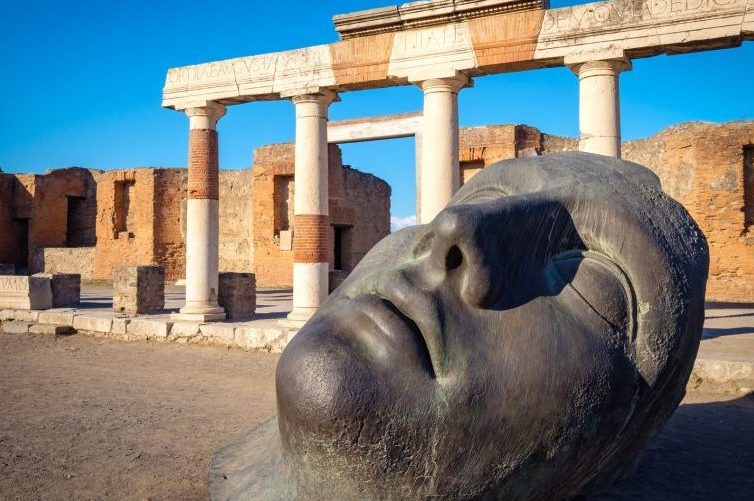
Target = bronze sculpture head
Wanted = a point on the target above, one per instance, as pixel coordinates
(527, 343)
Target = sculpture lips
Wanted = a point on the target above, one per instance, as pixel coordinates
(402, 333)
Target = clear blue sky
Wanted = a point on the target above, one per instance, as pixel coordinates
(82, 80)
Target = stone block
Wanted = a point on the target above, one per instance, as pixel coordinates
(256, 338)
(120, 326)
(286, 240)
(16, 327)
(237, 294)
(26, 315)
(66, 290)
(223, 334)
(25, 293)
(88, 323)
(185, 329)
(138, 289)
(55, 330)
(53, 317)
(149, 329)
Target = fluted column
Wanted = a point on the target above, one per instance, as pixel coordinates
(440, 174)
(599, 104)
(311, 219)
(202, 216)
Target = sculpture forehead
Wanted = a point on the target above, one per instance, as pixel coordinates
(579, 171)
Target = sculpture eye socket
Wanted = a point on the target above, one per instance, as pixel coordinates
(599, 283)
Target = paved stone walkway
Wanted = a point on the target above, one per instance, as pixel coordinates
(95, 317)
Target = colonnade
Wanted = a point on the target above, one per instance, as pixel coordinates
(599, 132)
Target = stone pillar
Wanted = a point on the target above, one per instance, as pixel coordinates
(440, 177)
(310, 205)
(202, 216)
(599, 104)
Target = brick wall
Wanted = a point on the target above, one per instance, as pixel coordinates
(272, 266)
(702, 165)
(136, 245)
(8, 243)
(359, 204)
(170, 187)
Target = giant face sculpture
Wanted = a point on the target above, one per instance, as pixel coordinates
(526, 344)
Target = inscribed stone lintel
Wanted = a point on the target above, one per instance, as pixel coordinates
(488, 43)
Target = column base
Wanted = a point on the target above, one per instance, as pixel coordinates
(297, 318)
(200, 314)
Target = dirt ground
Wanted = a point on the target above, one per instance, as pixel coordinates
(85, 418)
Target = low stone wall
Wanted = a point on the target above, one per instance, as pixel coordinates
(125, 328)
(76, 260)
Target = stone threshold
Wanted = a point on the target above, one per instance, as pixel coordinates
(266, 336)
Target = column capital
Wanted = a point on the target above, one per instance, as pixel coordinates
(205, 117)
(324, 97)
(607, 62)
(450, 84)
(315, 104)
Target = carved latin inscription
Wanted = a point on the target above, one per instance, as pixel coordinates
(435, 52)
(627, 12)
(27, 293)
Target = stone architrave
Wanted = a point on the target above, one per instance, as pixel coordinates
(478, 38)
(25, 293)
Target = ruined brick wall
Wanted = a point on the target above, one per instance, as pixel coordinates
(273, 266)
(125, 220)
(51, 210)
(236, 221)
(170, 187)
(50, 205)
(7, 243)
(702, 165)
(370, 198)
(359, 206)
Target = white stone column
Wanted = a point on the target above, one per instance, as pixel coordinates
(311, 219)
(202, 216)
(599, 104)
(440, 176)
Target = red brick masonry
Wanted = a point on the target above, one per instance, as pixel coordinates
(203, 174)
(310, 238)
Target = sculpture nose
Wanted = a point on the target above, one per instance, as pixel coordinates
(454, 251)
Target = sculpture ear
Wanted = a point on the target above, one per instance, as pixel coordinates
(600, 283)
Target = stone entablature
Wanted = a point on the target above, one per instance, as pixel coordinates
(423, 14)
(478, 46)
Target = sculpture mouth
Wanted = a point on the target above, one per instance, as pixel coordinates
(401, 332)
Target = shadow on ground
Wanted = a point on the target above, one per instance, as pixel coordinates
(705, 452)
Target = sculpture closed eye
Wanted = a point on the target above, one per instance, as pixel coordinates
(526, 344)
(599, 283)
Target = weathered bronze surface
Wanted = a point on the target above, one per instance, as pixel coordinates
(527, 344)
